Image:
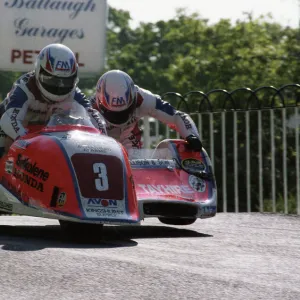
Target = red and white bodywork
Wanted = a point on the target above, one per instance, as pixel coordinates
(70, 172)
(164, 189)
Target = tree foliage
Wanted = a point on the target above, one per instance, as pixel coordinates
(187, 53)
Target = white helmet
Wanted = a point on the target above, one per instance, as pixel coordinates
(116, 97)
(56, 72)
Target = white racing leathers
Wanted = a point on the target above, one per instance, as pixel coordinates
(151, 105)
(24, 105)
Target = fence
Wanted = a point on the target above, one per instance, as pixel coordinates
(252, 137)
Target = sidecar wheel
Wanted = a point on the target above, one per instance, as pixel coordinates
(177, 221)
(81, 231)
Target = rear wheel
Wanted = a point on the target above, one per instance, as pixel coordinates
(177, 221)
(81, 231)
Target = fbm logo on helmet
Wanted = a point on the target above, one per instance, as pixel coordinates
(62, 66)
(118, 101)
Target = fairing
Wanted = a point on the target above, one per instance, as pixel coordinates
(69, 172)
(162, 180)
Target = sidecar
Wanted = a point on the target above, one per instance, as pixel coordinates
(175, 185)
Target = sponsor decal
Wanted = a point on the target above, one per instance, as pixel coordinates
(104, 212)
(9, 165)
(24, 166)
(98, 119)
(96, 207)
(118, 101)
(166, 189)
(64, 65)
(141, 162)
(6, 206)
(92, 147)
(102, 202)
(135, 141)
(152, 162)
(13, 119)
(184, 117)
(198, 184)
(28, 180)
(32, 168)
(62, 199)
(193, 164)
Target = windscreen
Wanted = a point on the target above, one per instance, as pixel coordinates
(69, 114)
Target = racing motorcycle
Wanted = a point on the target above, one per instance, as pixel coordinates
(68, 171)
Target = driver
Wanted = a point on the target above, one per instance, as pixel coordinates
(122, 104)
(35, 95)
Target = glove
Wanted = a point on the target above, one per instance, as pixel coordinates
(194, 143)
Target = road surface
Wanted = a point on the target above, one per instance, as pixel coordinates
(231, 256)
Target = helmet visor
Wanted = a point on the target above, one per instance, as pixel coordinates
(118, 117)
(57, 85)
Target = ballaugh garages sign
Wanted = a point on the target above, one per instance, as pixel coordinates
(26, 26)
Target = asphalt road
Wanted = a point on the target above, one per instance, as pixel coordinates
(231, 256)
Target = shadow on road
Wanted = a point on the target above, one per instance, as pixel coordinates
(146, 232)
(34, 238)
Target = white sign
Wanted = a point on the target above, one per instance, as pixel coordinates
(27, 26)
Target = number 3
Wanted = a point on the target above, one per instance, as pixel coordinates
(101, 183)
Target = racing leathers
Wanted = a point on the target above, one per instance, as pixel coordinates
(24, 105)
(151, 105)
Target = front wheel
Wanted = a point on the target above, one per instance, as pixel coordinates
(177, 221)
(81, 231)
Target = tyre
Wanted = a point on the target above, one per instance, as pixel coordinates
(81, 231)
(177, 221)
